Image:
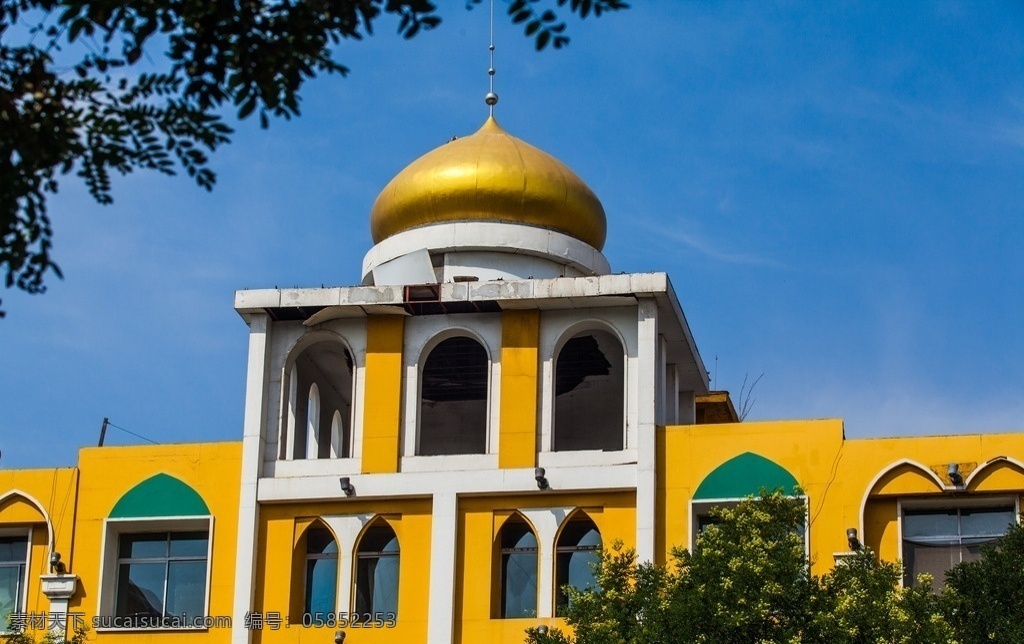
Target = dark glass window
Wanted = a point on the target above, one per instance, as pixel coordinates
(935, 540)
(453, 399)
(13, 555)
(162, 574)
(575, 557)
(321, 572)
(518, 569)
(377, 570)
(589, 393)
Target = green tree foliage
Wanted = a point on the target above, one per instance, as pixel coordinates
(747, 580)
(982, 600)
(18, 634)
(861, 601)
(73, 100)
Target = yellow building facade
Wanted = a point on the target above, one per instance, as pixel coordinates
(433, 454)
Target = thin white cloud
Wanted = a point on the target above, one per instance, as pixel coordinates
(704, 246)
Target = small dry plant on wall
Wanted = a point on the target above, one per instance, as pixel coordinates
(746, 400)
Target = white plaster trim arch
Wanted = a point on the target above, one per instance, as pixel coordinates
(423, 335)
(989, 463)
(31, 500)
(555, 333)
(885, 470)
(285, 424)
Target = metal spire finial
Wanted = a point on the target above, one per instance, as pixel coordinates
(491, 98)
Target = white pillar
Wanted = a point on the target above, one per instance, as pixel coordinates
(546, 522)
(648, 368)
(253, 445)
(346, 529)
(444, 525)
(59, 589)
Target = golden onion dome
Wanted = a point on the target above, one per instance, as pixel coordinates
(489, 176)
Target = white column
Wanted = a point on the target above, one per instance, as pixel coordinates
(58, 589)
(346, 529)
(253, 445)
(648, 368)
(546, 522)
(444, 527)
(661, 390)
(672, 395)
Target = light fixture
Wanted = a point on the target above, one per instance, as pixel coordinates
(347, 488)
(538, 475)
(954, 475)
(542, 629)
(56, 565)
(851, 538)
(339, 637)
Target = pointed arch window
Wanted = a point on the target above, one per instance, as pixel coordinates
(321, 581)
(589, 393)
(453, 399)
(576, 554)
(377, 565)
(518, 569)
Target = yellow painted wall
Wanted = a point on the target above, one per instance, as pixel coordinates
(383, 397)
(28, 498)
(848, 483)
(809, 450)
(520, 335)
(476, 576)
(280, 575)
(212, 469)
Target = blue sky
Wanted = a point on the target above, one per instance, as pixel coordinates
(835, 189)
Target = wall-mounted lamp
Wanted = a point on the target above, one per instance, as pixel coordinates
(339, 637)
(542, 630)
(851, 538)
(349, 490)
(538, 475)
(56, 565)
(954, 475)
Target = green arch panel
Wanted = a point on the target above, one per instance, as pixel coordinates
(744, 476)
(160, 496)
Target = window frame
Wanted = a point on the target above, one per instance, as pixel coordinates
(106, 603)
(320, 556)
(563, 341)
(359, 555)
(559, 550)
(503, 552)
(427, 351)
(21, 601)
(947, 503)
(698, 504)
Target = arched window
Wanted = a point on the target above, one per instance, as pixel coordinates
(589, 392)
(313, 422)
(575, 556)
(321, 572)
(518, 569)
(453, 399)
(319, 405)
(337, 435)
(377, 561)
